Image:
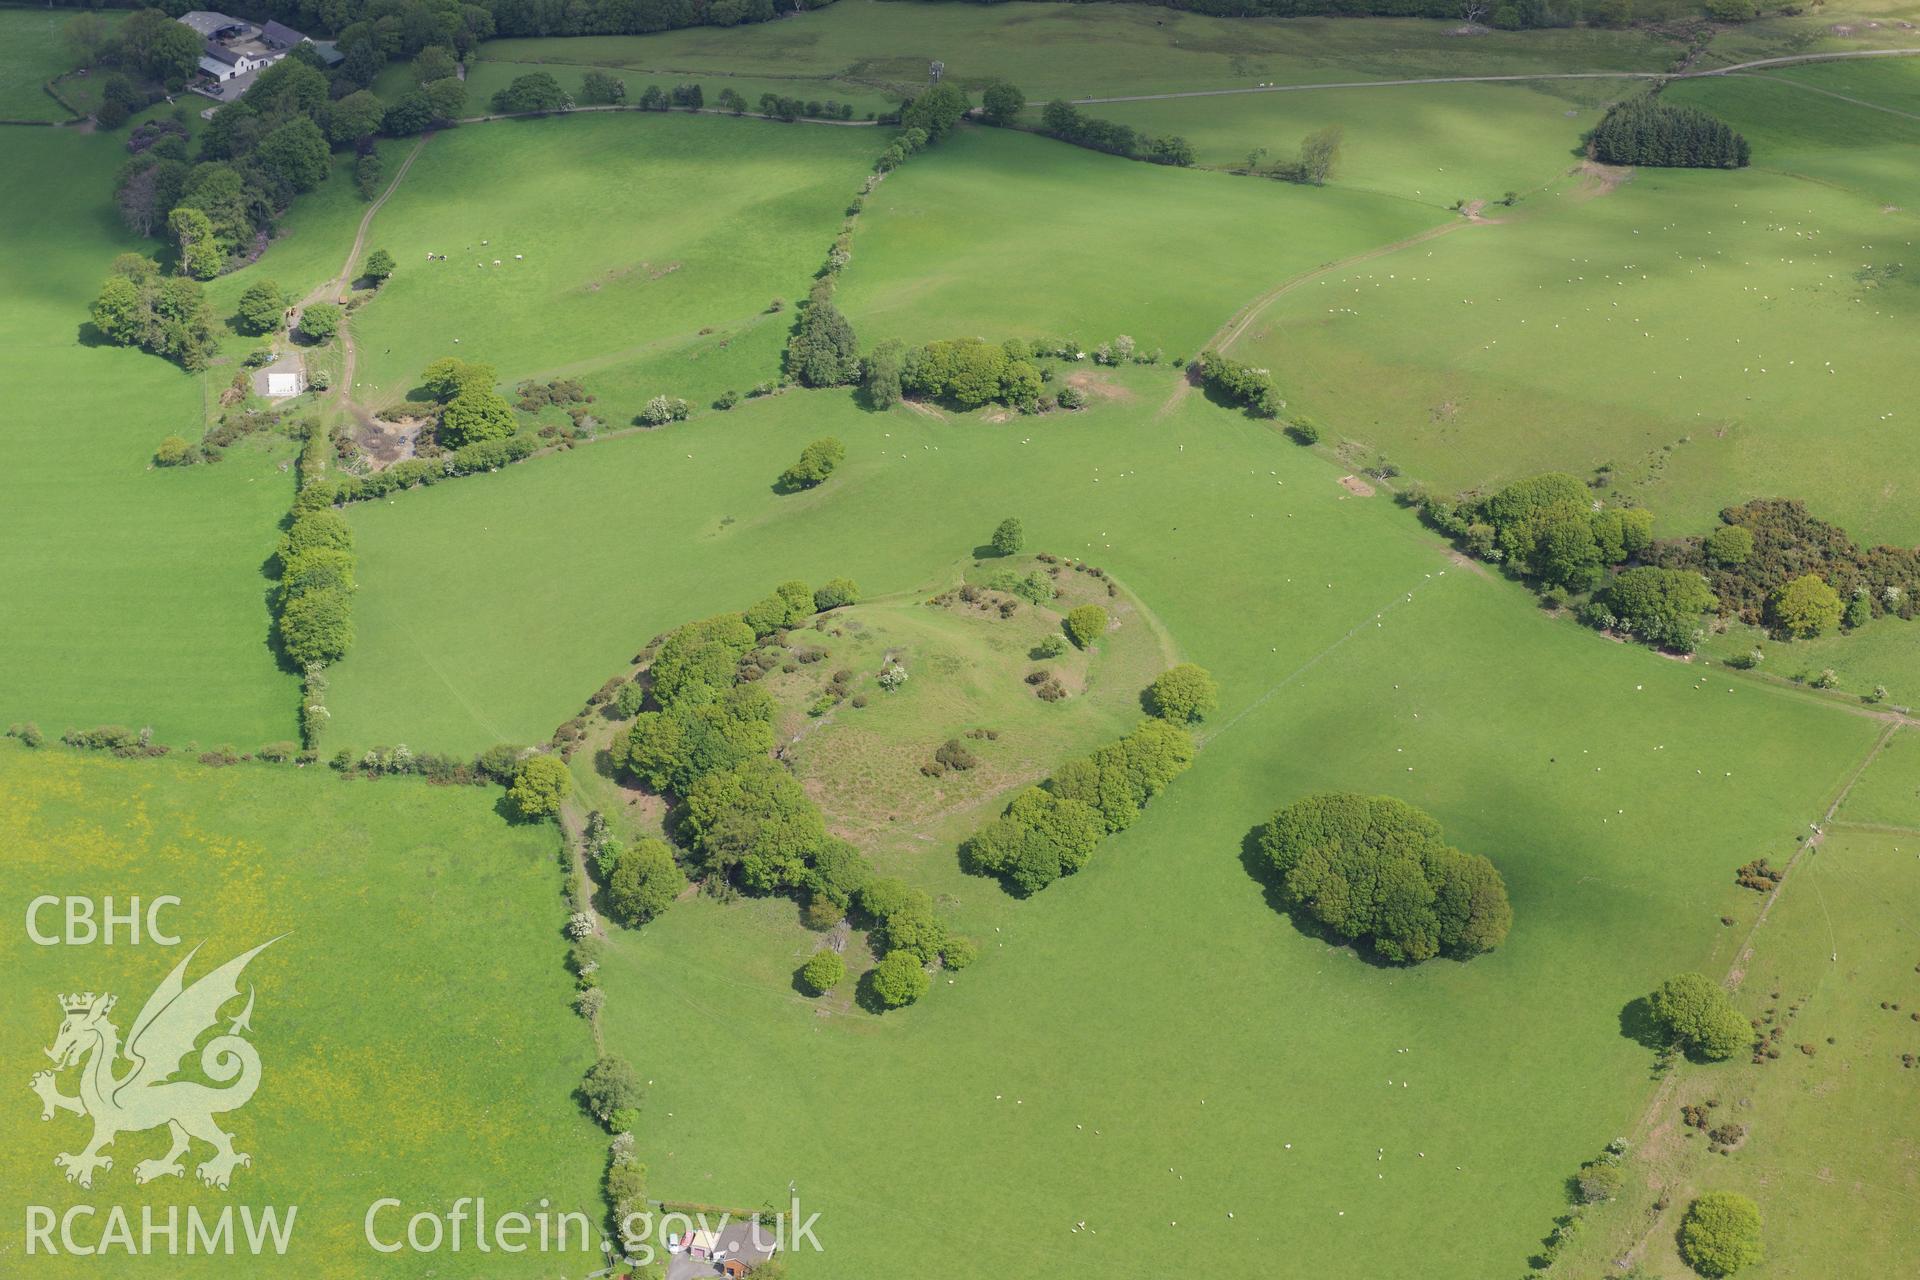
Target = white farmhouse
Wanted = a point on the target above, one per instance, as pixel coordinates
(234, 51)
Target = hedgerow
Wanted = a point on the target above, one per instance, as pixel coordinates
(1052, 830)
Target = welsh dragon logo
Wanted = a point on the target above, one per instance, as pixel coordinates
(145, 1095)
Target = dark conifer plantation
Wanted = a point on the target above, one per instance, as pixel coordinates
(1649, 131)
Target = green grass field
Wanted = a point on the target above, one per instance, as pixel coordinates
(488, 75)
(1093, 50)
(1680, 328)
(1884, 654)
(1888, 794)
(1859, 24)
(1163, 963)
(652, 247)
(1838, 945)
(903, 513)
(412, 1023)
(1312, 606)
(31, 53)
(1105, 246)
(1893, 83)
(1434, 144)
(135, 596)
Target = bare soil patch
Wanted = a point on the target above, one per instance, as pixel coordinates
(1461, 560)
(618, 274)
(385, 443)
(1356, 486)
(1091, 382)
(1601, 179)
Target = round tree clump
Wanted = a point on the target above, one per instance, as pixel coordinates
(645, 881)
(957, 952)
(1599, 1181)
(316, 627)
(1721, 1234)
(611, 1091)
(1183, 694)
(899, 979)
(1086, 624)
(1374, 867)
(1730, 544)
(1697, 1012)
(822, 973)
(320, 321)
(1806, 607)
(1008, 537)
(540, 785)
(474, 416)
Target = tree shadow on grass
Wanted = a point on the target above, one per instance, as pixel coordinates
(1262, 873)
(866, 997)
(1638, 1024)
(510, 813)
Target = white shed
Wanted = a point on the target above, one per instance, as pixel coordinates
(281, 385)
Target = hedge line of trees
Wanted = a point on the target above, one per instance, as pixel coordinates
(1546, 527)
(1770, 562)
(1066, 122)
(1376, 868)
(823, 351)
(414, 473)
(1652, 131)
(970, 372)
(1052, 830)
(1758, 558)
(313, 601)
(1549, 530)
(1239, 384)
(501, 18)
